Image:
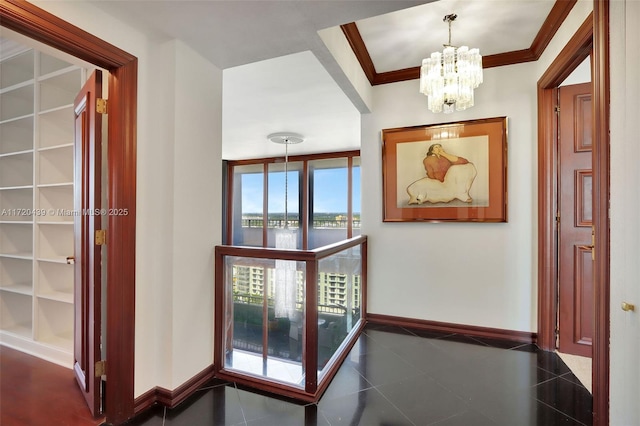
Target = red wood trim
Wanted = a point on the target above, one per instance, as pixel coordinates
(121, 241)
(336, 363)
(38, 24)
(171, 398)
(266, 385)
(284, 254)
(310, 338)
(334, 248)
(354, 38)
(46, 28)
(508, 58)
(576, 51)
(304, 217)
(547, 209)
(396, 76)
(349, 197)
(594, 32)
(578, 48)
(601, 185)
(229, 206)
(552, 23)
(556, 17)
(364, 284)
(294, 158)
(145, 401)
(219, 311)
(469, 330)
(265, 321)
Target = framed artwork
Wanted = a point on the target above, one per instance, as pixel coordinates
(453, 172)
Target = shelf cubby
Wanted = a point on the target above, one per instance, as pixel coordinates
(55, 129)
(55, 242)
(16, 102)
(16, 275)
(55, 166)
(16, 135)
(16, 170)
(16, 69)
(55, 323)
(55, 281)
(16, 205)
(50, 64)
(16, 240)
(57, 201)
(16, 311)
(59, 91)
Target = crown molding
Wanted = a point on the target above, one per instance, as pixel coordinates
(550, 26)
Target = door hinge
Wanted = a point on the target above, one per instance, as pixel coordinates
(100, 368)
(101, 237)
(558, 217)
(101, 106)
(556, 109)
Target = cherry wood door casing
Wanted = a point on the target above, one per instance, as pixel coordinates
(576, 220)
(40, 25)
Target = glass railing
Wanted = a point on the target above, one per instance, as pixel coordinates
(285, 319)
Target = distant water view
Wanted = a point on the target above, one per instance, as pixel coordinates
(320, 220)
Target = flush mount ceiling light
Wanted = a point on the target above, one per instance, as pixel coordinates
(449, 78)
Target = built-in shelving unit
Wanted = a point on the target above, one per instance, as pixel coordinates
(37, 91)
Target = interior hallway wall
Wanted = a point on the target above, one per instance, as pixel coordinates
(178, 197)
(479, 274)
(625, 200)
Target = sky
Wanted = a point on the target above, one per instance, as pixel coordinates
(330, 189)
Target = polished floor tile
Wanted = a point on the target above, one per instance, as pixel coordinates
(397, 376)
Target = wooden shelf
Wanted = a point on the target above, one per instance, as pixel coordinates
(17, 69)
(16, 135)
(37, 177)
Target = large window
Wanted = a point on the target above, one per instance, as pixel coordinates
(322, 199)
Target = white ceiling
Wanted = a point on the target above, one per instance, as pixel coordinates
(275, 74)
(402, 39)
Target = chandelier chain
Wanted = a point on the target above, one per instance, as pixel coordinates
(449, 19)
(286, 183)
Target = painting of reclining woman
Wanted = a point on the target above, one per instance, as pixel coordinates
(451, 172)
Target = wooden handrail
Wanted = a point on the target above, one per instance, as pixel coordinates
(288, 254)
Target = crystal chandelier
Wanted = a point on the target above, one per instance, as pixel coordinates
(448, 78)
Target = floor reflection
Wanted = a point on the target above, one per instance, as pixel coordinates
(396, 376)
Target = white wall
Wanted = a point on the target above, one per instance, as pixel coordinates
(178, 194)
(625, 199)
(338, 46)
(196, 209)
(478, 274)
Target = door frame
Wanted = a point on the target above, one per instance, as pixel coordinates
(36, 23)
(591, 38)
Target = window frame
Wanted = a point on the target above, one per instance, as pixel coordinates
(305, 192)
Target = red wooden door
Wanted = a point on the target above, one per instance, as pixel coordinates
(575, 320)
(87, 220)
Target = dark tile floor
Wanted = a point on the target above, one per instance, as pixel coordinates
(395, 376)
